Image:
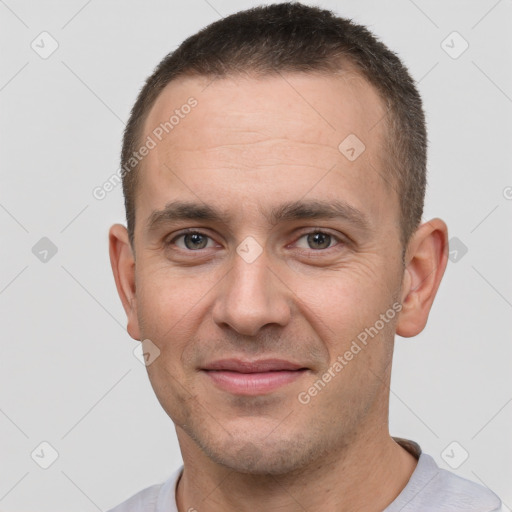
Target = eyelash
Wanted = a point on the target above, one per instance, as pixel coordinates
(315, 231)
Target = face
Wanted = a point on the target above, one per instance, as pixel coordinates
(265, 255)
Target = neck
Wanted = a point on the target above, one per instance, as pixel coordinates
(340, 481)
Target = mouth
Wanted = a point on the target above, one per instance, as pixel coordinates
(253, 377)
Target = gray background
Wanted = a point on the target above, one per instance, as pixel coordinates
(68, 374)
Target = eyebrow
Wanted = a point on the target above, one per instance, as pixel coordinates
(296, 210)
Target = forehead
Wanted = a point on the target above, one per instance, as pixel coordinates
(294, 128)
(309, 106)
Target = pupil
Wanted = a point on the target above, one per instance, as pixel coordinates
(321, 239)
(197, 241)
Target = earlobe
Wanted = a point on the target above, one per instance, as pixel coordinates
(426, 261)
(123, 268)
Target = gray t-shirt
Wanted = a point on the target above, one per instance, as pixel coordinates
(430, 489)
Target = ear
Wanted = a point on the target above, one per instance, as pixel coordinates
(426, 259)
(123, 267)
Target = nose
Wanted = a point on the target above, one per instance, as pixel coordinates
(252, 296)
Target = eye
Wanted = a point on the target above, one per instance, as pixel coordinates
(192, 241)
(317, 240)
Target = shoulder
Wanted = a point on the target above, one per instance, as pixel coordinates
(432, 489)
(157, 498)
(462, 494)
(143, 501)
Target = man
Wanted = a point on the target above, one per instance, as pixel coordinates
(274, 175)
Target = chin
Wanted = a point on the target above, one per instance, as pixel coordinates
(253, 460)
(277, 457)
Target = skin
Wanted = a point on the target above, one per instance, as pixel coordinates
(250, 145)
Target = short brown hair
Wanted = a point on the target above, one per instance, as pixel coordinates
(297, 38)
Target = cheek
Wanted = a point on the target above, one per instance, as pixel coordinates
(168, 308)
(341, 304)
(338, 291)
(164, 302)
(172, 307)
(165, 296)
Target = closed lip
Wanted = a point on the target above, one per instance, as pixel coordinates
(261, 366)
